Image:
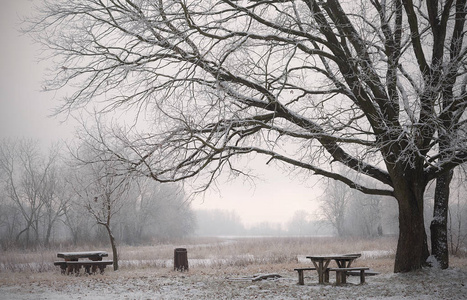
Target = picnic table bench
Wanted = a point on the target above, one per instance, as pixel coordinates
(341, 274)
(301, 278)
(72, 263)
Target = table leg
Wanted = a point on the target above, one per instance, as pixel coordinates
(87, 269)
(70, 269)
(319, 268)
(102, 268)
(321, 272)
(339, 277)
(326, 271)
(343, 277)
(344, 274)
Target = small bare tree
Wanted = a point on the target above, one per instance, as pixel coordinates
(99, 184)
(102, 193)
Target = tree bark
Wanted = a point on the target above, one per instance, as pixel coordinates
(412, 247)
(438, 227)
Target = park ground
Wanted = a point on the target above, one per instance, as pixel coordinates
(223, 268)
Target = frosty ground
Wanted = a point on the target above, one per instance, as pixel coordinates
(223, 270)
(152, 283)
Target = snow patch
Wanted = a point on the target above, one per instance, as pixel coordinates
(434, 263)
(376, 254)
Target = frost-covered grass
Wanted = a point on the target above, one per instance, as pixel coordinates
(241, 252)
(216, 264)
(212, 252)
(219, 253)
(223, 252)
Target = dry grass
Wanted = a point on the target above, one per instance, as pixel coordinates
(242, 252)
(223, 255)
(146, 272)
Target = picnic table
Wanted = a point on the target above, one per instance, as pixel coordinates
(321, 264)
(72, 262)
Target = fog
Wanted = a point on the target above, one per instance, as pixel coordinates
(25, 111)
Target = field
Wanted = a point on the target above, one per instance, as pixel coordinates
(222, 268)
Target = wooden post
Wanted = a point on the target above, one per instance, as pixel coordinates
(180, 259)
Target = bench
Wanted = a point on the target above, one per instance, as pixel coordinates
(341, 274)
(367, 273)
(90, 266)
(301, 279)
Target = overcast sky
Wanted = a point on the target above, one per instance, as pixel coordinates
(24, 112)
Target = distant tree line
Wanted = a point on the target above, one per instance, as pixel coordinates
(343, 213)
(352, 213)
(216, 222)
(45, 199)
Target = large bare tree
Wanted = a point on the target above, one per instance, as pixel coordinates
(377, 87)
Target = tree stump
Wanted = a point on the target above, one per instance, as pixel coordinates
(180, 259)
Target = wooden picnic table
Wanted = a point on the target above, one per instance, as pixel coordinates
(72, 262)
(321, 264)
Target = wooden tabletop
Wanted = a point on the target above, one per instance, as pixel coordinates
(335, 257)
(84, 254)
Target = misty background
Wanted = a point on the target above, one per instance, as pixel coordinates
(277, 203)
(26, 109)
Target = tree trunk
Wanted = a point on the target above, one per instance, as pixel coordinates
(114, 247)
(18, 236)
(439, 224)
(412, 247)
(48, 234)
(438, 227)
